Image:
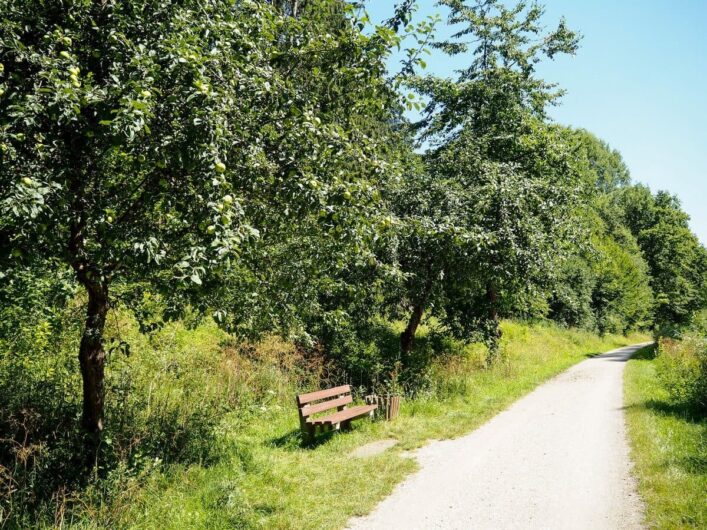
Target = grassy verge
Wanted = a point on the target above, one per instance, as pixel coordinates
(265, 478)
(669, 448)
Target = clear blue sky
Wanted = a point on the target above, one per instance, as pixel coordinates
(639, 81)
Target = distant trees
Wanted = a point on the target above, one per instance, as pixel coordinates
(604, 286)
(676, 260)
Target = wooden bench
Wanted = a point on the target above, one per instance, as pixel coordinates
(324, 400)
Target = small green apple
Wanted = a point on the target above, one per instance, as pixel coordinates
(146, 94)
(347, 195)
(65, 54)
(27, 181)
(228, 199)
(211, 229)
(220, 167)
(2, 68)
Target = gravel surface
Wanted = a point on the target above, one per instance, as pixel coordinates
(556, 459)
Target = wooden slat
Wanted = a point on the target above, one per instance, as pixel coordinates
(308, 410)
(344, 415)
(303, 399)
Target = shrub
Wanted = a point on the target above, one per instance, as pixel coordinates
(165, 403)
(682, 368)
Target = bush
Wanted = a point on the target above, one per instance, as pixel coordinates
(165, 403)
(682, 368)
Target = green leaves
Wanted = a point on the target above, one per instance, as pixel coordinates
(488, 220)
(500, 85)
(182, 146)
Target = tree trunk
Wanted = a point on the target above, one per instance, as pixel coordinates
(92, 358)
(407, 336)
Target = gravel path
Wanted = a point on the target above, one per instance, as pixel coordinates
(556, 459)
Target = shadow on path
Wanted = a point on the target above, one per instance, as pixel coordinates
(627, 352)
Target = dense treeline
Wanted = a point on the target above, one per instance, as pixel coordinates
(252, 162)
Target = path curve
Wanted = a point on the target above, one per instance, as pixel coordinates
(556, 459)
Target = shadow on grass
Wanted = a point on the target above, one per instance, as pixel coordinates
(681, 411)
(646, 354)
(294, 440)
(684, 412)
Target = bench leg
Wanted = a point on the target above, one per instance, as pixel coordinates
(307, 433)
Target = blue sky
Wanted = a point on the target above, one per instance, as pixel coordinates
(639, 81)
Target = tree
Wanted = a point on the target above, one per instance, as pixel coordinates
(163, 146)
(604, 286)
(484, 220)
(605, 167)
(675, 257)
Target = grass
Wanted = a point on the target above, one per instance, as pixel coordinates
(265, 478)
(669, 448)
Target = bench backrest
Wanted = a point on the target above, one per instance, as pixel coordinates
(323, 400)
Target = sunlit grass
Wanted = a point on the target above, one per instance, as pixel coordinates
(669, 448)
(265, 478)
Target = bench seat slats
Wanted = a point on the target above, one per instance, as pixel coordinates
(308, 410)
(343, 415)
(303, 399)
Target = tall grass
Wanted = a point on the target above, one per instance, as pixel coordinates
(682, 368)
(668, 439)
(202, 430)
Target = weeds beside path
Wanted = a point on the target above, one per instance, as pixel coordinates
(669, 448)
(268, 480)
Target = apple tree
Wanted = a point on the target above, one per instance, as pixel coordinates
(158, 145)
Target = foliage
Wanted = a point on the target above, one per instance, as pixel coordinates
(606, 169)
(483, 218)
(668, 448)
(682, 368)
(201, 429)
(606, 284)
(165, 403)
(677, 261)
(170, 147)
